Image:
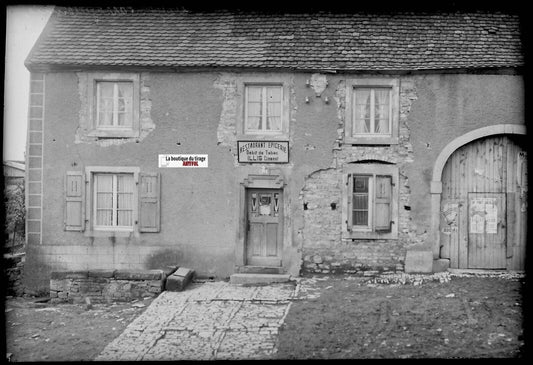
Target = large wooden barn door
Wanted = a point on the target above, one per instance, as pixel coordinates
(483, 207)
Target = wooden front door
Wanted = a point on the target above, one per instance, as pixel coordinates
(264, 233)
(484, 204)
(487, 231)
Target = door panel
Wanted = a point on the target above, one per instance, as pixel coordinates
(487, 231)
(264, 227)
(488, 167)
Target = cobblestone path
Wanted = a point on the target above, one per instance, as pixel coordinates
(210, 321)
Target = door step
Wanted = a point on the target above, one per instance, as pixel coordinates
(249, 269)
(258, 278)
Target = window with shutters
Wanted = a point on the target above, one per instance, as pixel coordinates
(105, 201)
(370, 208)
(114, 101)
(372, 111)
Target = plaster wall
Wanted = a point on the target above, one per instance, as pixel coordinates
(197, 113)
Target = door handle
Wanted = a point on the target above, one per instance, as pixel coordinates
(248, 226)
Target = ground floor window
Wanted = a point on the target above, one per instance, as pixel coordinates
(112, 199)
(370, 201)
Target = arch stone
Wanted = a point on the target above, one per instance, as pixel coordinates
(436, 182)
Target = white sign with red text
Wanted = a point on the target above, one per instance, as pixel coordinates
(182, 161)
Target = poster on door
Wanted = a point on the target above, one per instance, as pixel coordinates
(483, 216)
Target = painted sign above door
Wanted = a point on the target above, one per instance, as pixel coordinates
(263, 151)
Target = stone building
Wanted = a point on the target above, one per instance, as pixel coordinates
(243, 142)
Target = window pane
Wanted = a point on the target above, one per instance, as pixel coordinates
(104, 217)
(254, 93)
(360, 218)
(273, 116)
(105, 89)
(360, 200)
(381, 110)
(360, 184)
(273, 94)
(362, 110)
(125, 218)
(254, 123)
(105, 112)
(125, 103)
(254, 108)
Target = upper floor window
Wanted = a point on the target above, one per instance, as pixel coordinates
(372, 111)
(114, 104)
(263, 109)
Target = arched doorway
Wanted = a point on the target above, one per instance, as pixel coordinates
(482, 215)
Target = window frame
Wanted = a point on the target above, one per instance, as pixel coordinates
(349, 231)
(104, 231)
(264, 108)
(113, 131)
(114, 200)
(268, 80)
(350, 111)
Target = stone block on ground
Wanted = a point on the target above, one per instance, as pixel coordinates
(138, 274)
(420, 262)
(441, 265)
(179, 280)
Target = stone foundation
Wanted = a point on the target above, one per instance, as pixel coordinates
(359, 258)
(105, 286)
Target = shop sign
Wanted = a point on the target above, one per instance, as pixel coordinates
(263, 151)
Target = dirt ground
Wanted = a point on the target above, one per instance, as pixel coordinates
(63, 332)
(342, 317)
(465, 317)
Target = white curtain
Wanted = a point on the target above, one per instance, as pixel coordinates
(253, 107)
(104, 199)
(105, 103)
(381, 110)
(125, 188)
(274, 108)
(125, 103)
(362, 110)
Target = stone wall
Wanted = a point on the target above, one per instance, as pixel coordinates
(105, 286)
(324, 251)
(13, 271)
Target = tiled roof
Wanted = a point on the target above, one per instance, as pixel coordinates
(88, 37)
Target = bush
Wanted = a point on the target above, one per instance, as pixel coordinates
(15, 213)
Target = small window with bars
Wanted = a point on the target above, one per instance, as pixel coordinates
(263, 109)
(370, 203)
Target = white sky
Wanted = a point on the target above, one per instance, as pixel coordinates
(24, 24)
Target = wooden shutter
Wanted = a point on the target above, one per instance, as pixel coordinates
(349, 194)
(74, 201)
(149, 202)
(382, 204)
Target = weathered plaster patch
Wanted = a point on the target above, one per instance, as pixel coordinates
(227, 129)
(146, 124)
(318, 83)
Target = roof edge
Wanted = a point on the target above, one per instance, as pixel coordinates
(498, 70)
